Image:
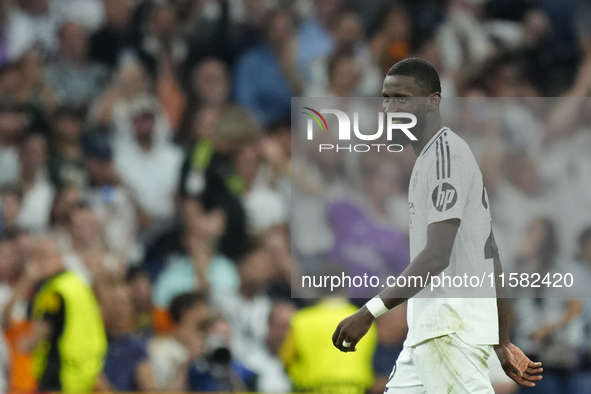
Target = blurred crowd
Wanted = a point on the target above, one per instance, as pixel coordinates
(146, 146)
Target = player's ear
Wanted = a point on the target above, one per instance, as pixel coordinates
(433, 101)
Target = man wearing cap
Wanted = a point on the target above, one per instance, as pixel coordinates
(110, 201)
(149, 165)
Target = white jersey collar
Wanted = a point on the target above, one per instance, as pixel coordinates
(432, 140)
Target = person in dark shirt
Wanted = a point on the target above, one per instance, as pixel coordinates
(126, 366)
(209, 176)
(107, 44)
(217, 371)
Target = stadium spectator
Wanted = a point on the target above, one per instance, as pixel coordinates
(393, 41)
(66, 159)
(22, 83)
(549, 329)
(209, 87)
(210, 82)
(190, 18)
(120, 216)
(68, 336)
(247, 310)
(89, 13)
(66, 200)
(31, 23)
(196, 263)
(315, 34)
(583, 256)
(209, 90)
(313, 364)
(282, 264)
(264, 206)
(38, 192)
(211, 36)
(11, 200)
(145, 323)
(162, 40)
(517, 201)
(343, 76)
(249, 29)
(272, 375)
(83, 249)
(209, 174)
(14, 306)
(199, 123)
(462, 23)
(164, 52)
(276, 151)
(149, 165)
(107, 45)
(217, 370)
(349, 39)
(266, 76)
(13, 124)
(171, 355)
(74, 77)
(129, 80)
(127, 367)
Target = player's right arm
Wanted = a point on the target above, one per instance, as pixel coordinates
(431, 261)
(515, 363)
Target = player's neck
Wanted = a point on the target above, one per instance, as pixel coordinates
(431, 128)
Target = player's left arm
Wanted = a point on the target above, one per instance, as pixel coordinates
(431, 261)
(515, 363)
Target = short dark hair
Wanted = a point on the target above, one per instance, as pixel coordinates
(183, 302)
(423, 72)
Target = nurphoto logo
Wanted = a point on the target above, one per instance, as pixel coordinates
(394, 121)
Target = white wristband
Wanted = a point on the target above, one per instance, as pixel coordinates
(376, 307)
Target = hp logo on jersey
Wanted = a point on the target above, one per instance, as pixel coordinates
(444, 197)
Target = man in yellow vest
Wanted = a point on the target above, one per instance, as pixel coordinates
(68, 337)
(311, 362)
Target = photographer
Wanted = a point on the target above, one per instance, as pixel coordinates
(171, 355)
(216, 371)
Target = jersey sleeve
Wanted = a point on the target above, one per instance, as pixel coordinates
(449, 183)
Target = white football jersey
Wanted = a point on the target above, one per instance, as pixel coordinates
(446, 183)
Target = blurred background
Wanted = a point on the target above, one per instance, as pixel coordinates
(151, 141)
